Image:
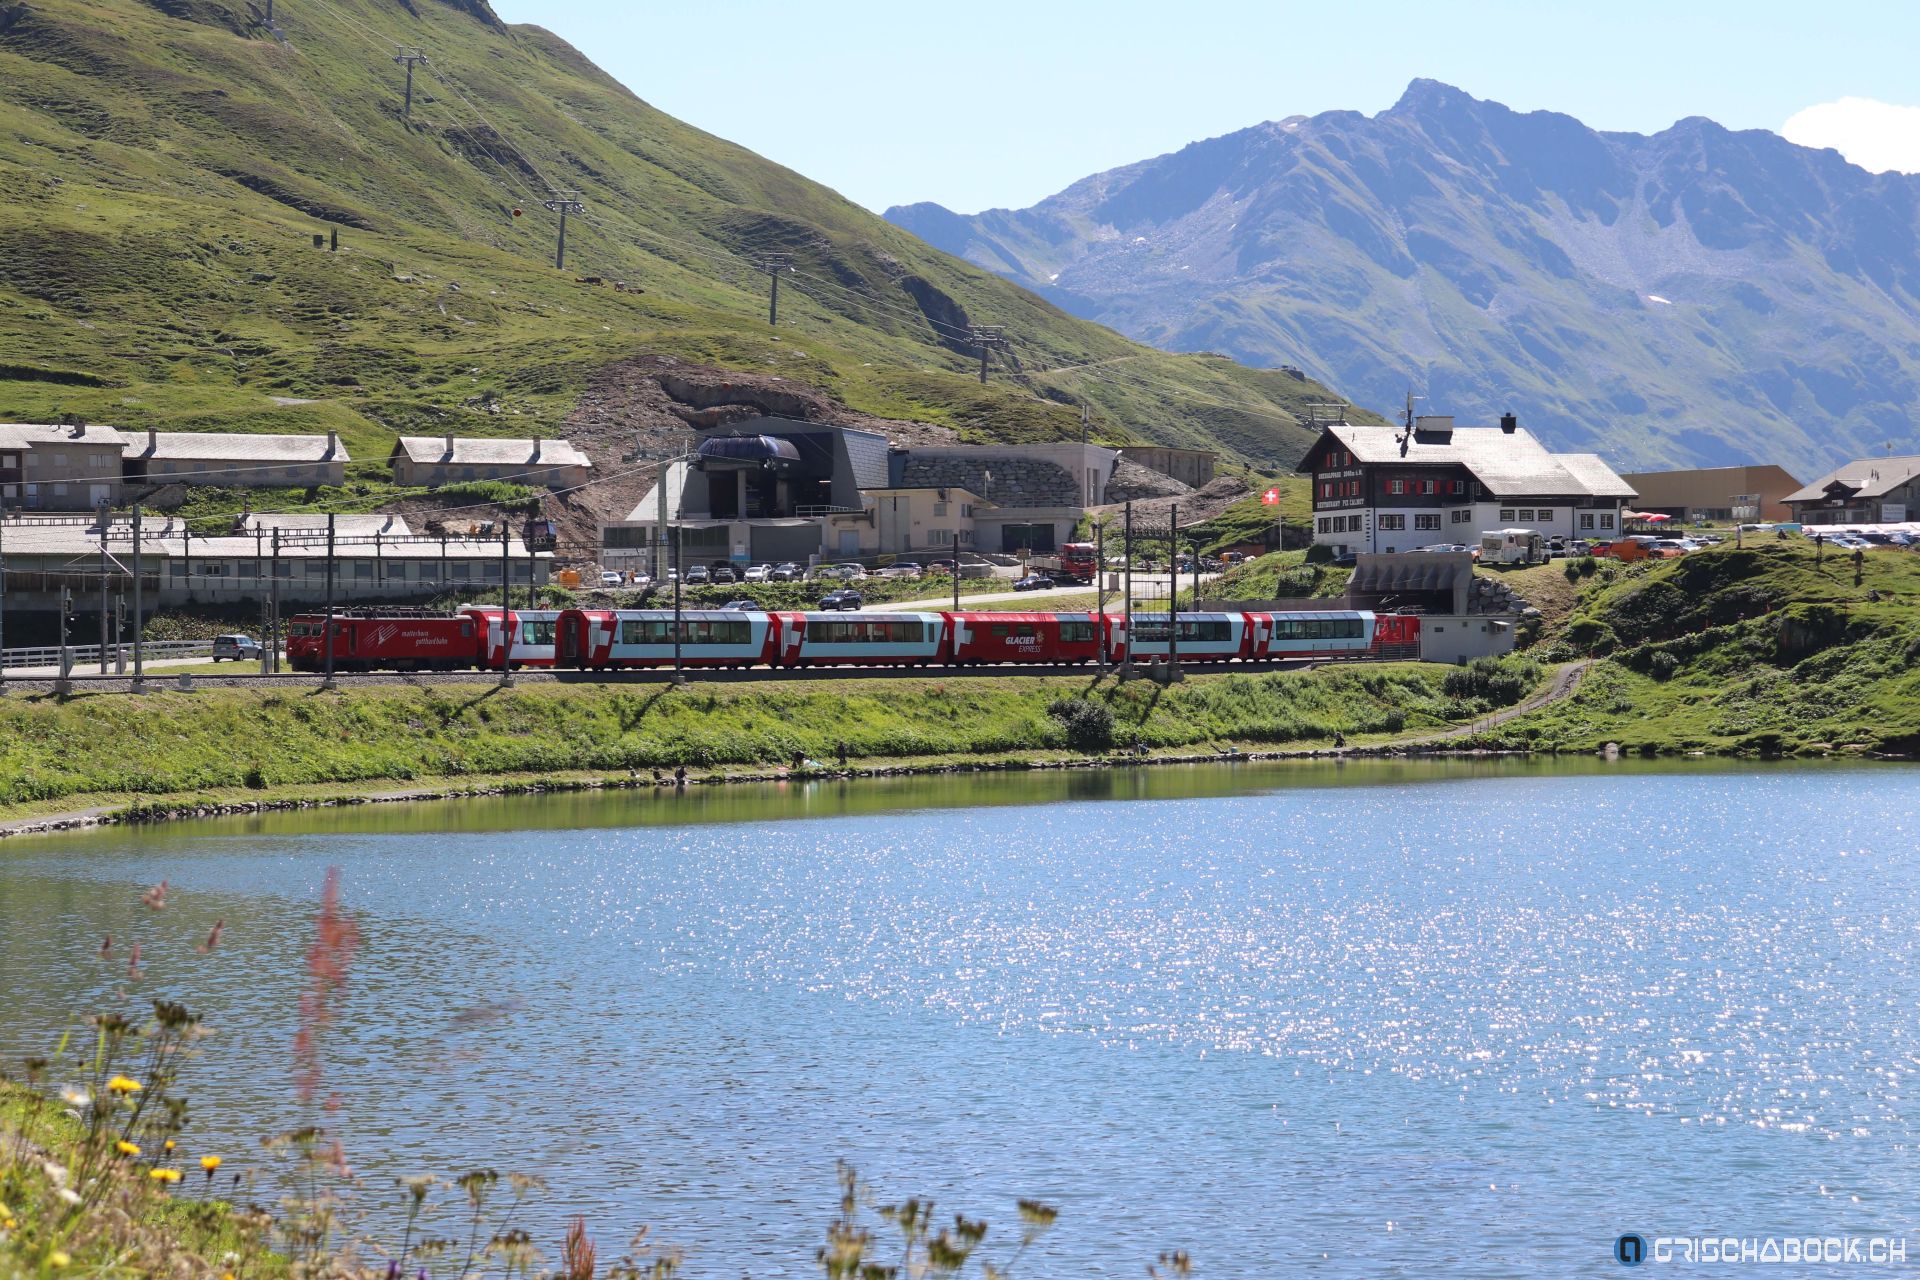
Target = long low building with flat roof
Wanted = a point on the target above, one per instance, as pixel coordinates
(375, 557)
(236, 459)
(1715, 493)
(538, 463)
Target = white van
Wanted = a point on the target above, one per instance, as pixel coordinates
(1512, 546)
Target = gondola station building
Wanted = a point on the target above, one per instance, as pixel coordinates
(1384, 489)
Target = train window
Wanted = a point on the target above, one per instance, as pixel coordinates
(466, 628)
(1000, 631)
(1076, 632)
(536, 633)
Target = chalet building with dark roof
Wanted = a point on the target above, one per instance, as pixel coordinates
(1865, 491)
(1383, 489)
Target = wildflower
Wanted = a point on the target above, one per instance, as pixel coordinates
(123, 1086)
(59, 1258)
(168, 1144)
(76, 1097)
(209, 1163)
(68, 1194)
(126, 1148)
(168, 1176)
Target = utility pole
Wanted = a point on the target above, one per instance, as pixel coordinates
(563, 204)
(773, 264)
(953, 629)
(1173, 591)
(679, 676)
(406, 57)
(64, 684)
(139, 618)
(3, 596)
(103, 591)
(986, 337)
(1126, 585)
(326, 629)
(506, 608)
(1086, 423)
(273, 609)
(1100, 589)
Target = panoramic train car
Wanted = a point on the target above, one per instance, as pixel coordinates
(533, 634)
(385, 642)
(1025, 637)
(603, 638)
(1203, 637)
(1333, 633)
(861, 639)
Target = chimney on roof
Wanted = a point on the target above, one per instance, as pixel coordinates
(153, 440)
(536, 448)
(1509, 424)
(333, 443)
(449, 444)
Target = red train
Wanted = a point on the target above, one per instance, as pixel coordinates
(610, 639)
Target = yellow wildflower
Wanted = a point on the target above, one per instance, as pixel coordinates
(9, 1224)
(126, 1148)
(168, 1144)
(164, 1175)
(59, 1258)
(209, 1163)
(123, 1085)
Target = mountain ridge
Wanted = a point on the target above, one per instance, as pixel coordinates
(1697, 296)
(166, 164)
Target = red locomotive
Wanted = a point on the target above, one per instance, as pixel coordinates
(393, 641)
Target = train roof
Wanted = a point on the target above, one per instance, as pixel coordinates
(984, 615)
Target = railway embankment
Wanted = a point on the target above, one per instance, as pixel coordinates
(102, 757)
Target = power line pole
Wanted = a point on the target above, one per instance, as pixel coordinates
(3, 596)
(773, 264)
(327, 629)
(506, 607)
(1100, 589)
(103, 591)
(139, 618)
(1173, 592)
(986, 337)
(563, 204)
(407, 57)
(1126, 586)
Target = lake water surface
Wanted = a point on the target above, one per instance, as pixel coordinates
(1366, 1019)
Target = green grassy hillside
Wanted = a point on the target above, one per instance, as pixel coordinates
(164, 165)
(1770, 649)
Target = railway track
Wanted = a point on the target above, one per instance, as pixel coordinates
(168, 683)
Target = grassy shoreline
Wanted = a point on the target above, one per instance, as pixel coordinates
(251, 748)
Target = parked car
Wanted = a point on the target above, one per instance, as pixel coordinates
(758, 573)
(941, 567)
(740, 606)
(608, 578)
(238, 648)
(1443, 548)
(1033, 582)
(787, 571)
(724, 573)
(698, 575)
(846, 598)
(900, 569)
(849, 570)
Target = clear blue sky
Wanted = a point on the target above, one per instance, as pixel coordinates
(1000, 104)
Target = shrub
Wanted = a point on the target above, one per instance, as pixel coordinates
(1491, 680)
(1663, 665)
(1320, 553)
(1088, 725)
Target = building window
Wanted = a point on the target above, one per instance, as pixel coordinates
(1586, 520)
(1326, 524)
(1396, 486)
(1506, 513)
(1427, 521)
(1462, 516)
(59, 491)
(1393, 522)
(1544, 514)
(1606, 521)
(1526, 515)
(1326, 488)
(1459, 486)
(1429, 486)
(939, 508)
